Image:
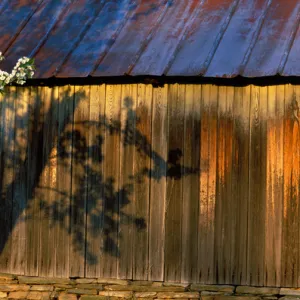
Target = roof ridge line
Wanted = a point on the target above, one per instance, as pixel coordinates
(254, 39)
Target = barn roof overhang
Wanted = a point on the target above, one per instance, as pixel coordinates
(157, 81)
(220, 41)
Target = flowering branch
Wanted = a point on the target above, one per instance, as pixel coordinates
(23, 70)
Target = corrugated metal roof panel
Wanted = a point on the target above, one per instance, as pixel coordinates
(167, 36)
(273, 41)
(292, 66)
(132, 39)
(202, 38)
(36, 32)
(13, 19)
(238, 39)
(212, 38)
(97, 40)
(65, 36)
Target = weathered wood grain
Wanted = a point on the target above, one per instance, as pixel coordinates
(3, 237)
(274, 188)
(34, 169)
(279, 184)
(240, 180)
(225, 203)
(158, 184)
(64, 179)
(230, 224)
(126, 188)
(142, 165)
(111, 180)
(52, 122)
(42, 195)
(46, 190)
(257, 186)
(80, 138)
(208, 159)
(7, 178)
(95, 195)
(221, 243)
(179, 183)
(290, 226)
(173, 233)
(19, 202)
(5, 206)
(191, 181)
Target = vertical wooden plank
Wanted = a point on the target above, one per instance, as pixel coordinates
(142, 164)
(297, 182)
(64, 179)
(173, 245)
(40, 191)
(46, 190)
(225, 203)
(270, 272)
(158, 183)
(240, 179)
(203, 231)
(263, 103)
(208, 158)
(34, 163)
(279, 180)
(221, 216)
(3, 203)
(126, 205)
(257, 186)
(52, 187)
(290, 233)
(20, 187)
(191, 182)
(7, 164)
(230, 222)
(95, 196)
(79, 180)
(212, 173)
(111, 176)
(274, 190)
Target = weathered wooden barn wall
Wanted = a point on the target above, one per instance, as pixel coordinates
(190, 183)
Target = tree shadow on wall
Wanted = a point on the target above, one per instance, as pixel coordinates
(58, 174)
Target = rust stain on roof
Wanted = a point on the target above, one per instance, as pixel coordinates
(210, 38)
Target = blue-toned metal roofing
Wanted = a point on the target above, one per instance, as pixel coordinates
(210, 38)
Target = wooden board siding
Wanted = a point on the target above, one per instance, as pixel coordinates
(182, 183)
(240, 180)
(95, 215)
(7, 175)
(191, 184)
(158, 183)
(18, 255)
(33, 174)
(173, 209)
(142, 161)
(111, 177)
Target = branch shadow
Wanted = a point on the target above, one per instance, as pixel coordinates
(79, 144)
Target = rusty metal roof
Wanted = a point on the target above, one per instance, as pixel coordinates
(210, 38)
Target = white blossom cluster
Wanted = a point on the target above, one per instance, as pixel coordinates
(23, 70)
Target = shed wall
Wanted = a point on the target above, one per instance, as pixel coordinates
(181, 183)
